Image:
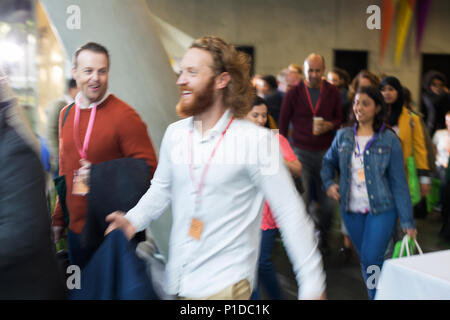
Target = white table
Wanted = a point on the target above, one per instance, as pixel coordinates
(419, 277)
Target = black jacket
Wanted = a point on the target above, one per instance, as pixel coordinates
(114, 185)
(28, 266)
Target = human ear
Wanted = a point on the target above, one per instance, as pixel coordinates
(222, 80)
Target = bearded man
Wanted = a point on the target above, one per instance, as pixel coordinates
(215, 170)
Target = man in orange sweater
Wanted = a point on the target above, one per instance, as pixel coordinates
(99, 127)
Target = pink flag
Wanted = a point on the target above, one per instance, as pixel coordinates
(423, 7)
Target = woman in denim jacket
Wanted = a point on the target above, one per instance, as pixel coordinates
(373, 190)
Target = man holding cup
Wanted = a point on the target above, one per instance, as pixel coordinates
(314, 109)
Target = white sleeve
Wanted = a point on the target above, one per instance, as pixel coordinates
(297, 229)
(157, 198)
(437, 137)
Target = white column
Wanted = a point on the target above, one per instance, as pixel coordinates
(140, 72)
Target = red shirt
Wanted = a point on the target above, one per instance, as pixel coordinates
(118, 132)
(267, 221)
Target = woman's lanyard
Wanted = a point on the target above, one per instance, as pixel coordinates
(313, 109)
(368, 144)
(76, 130)
(199, 186)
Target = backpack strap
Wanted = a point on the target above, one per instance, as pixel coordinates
(66, 114)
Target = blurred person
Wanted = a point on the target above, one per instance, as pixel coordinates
(281, 80)
(408, 99)
(258, 84)
(413, 136)
(53, 123)
(216, 206)
(364, 78)
(341, 79)
(313, 101)
(441, 141)
(96, 128)
(372, 189)
(266, 271)
(408, 127)
(28, 265)
(436, 100)
(272, 96)
(294, 76)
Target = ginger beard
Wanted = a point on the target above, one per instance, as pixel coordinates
(199, 101)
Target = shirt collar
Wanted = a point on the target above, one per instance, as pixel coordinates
(82, 106)
(219, 127)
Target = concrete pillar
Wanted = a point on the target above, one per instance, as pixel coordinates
(140, 71)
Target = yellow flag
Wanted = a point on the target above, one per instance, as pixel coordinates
(405, 12)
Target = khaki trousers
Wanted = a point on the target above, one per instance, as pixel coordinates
(238, 291)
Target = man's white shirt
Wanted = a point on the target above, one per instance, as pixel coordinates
(246, 169)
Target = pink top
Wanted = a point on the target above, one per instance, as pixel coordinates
(267, 221)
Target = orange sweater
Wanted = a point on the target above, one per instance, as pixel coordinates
(118, 132)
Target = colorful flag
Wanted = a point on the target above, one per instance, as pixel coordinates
(423, 7)
(405, 12)
(387, 17)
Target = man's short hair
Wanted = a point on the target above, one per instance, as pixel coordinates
(239, 93)
(71, 84)
(90, 46)
(271, 81)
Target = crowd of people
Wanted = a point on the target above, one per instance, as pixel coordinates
(343, 145)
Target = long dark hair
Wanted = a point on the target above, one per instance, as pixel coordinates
(397, 106)
(377, 97)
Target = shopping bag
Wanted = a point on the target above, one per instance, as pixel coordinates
(413, 180)
(406, 247)
(434, 197)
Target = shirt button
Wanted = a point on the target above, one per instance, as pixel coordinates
(371, 196)
(379, 150)
(369, 182)
(367, 152)
(374, 210)
(368, 168)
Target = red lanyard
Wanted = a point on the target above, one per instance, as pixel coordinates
(76, 130)
(191, 171)
(313, 109)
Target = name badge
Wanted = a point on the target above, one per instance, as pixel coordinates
(79, 187)
(361, 176)
(196, 229)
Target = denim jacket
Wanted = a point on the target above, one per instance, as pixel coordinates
(384, 170)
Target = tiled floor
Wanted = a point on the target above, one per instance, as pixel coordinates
(344, 279)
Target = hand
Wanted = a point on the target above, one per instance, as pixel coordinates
(57, 233)
(85, 170)
(333, 192)
(117, 220)
(425, 189)
(324, 127)
(412, 233)
(446, 90)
